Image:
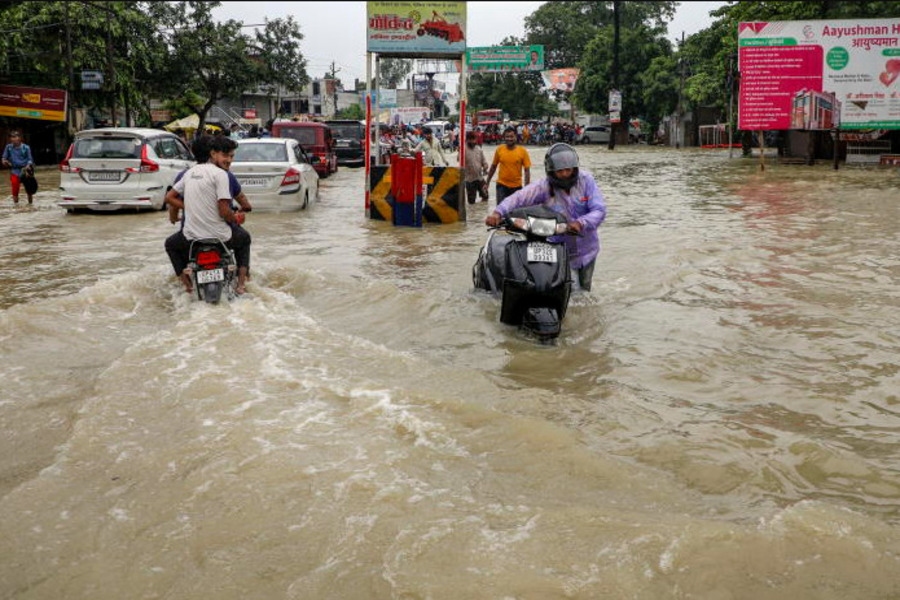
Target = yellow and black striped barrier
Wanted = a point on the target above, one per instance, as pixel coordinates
(444, 201)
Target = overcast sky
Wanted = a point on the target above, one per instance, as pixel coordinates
(336, 31)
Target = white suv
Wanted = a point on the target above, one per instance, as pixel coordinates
(116, 168)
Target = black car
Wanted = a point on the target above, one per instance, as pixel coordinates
(350, 141)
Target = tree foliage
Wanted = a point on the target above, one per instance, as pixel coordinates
(518, 94)
(282, 66)
(163, 50)
(595, 81)
(109, 37)
(393, 71)
(566, 28)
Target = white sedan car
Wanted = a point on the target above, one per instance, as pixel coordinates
(275, 174)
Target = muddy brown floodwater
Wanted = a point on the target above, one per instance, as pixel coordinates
(719, 419)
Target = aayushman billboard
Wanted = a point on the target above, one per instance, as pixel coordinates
(855, 61)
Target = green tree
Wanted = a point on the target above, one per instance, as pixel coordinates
(518, 94)
(354, 111)
(393, 71)
(566, 28)
(640, 46)
(208, 60)
(659, 89)
(117, 38)
(281, 64)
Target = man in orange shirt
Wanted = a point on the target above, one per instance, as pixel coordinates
(513, 160)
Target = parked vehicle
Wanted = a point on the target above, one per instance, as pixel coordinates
(317, 140)
(441, 130)
(529, 272)
(275, 174)
(350, 141)
(594, 134)
(213, 270)
(121, 168)
(487, 126)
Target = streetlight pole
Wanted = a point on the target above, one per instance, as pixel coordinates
(614, 127)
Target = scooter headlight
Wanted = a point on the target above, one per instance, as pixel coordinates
(542, 227)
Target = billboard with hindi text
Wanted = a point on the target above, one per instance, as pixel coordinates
(854, 61)
(505, 59)
(427, 29)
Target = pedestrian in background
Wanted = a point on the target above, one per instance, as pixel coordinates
(513, 161)
(17, 156)
(432, 153)
(475, 170)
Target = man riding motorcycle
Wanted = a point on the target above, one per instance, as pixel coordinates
(208, 212)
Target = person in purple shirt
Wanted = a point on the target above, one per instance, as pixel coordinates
(572, 193)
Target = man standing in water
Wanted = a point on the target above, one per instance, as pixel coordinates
(476, 166)
(513, 160)
(572, 193)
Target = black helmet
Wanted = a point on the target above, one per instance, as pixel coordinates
(561, 156)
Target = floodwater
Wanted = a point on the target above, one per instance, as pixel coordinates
(719, 420)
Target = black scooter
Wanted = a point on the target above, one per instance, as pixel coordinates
(530, 273)
(213, 270)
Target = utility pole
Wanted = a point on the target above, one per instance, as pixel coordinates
(333, 76)
(70, 103)
(731, 60)
(112, 70)
(614, 127)
(678, 113)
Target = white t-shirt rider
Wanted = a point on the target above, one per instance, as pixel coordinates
(202, 187)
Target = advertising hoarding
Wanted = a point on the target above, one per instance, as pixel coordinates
(409, 115)
(562, 80)
(857, 61)
(505, 59)
(416, 28)
(33, 103)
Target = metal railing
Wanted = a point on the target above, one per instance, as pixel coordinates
(227, 116)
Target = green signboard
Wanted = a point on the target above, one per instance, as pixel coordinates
(505, 59)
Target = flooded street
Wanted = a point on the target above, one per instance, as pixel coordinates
(719, 419)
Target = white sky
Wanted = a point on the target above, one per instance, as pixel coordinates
(336, 31)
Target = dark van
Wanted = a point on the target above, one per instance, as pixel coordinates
(316, 139)
(350, 141)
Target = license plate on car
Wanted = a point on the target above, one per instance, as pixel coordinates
(252, 182)
(103, 176)
(541, 252)
(210, 275)
(343, 144)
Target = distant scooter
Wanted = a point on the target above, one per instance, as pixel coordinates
(213, 270)
(529, 272)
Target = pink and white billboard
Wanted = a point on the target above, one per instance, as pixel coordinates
(858, 61)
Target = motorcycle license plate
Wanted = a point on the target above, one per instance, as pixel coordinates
(541, 252)
(210, 275)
